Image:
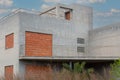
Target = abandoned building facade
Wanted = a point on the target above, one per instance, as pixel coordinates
(30, 41)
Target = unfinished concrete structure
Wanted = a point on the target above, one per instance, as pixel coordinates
(30, 41)
(104, 42)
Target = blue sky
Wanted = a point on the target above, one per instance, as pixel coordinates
(105, 11)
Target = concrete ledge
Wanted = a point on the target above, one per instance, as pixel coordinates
(86, 58)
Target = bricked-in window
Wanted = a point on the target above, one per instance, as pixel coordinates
(9, 72)
(38, 44)
(81, 49)
(9, 41)
(38, 72)
(80, 40)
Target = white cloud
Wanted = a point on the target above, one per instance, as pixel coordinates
(6, 2)
(104, 14)
(52, 0)
(85, 1)
(33, 9)
(68, 1)
(115, 10)
(82, 1)
(6, 10)
(91, 1)
(96, 1)
(44, 6)
(75, 1)
(108, 13)
(2, 11)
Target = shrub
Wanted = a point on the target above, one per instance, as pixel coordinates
(115, 70)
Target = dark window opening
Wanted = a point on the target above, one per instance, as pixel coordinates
(68, 15)
(80, 40)
(81, 49)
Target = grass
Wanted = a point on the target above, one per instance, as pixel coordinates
(78, 73)
(68, 75)
(64, 74)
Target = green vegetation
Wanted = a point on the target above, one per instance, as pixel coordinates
(115, 70)
(79, 72)
(79, 68)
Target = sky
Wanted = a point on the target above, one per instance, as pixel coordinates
(105, 12)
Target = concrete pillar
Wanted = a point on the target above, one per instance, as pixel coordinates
(70, 63)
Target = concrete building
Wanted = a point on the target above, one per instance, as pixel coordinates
(30, 41)
(104, 41)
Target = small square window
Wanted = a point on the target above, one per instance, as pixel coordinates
(9, 41)
(80, 40)
(81, 49)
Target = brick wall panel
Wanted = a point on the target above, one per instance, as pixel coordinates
(9, 42)
(38, 44)
(37, 72)
(9, 73)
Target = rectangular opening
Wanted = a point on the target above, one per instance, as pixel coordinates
(81, 49)
(9, 41)
(9, 72)
(38, 44)
(68, 15)
(38, 72)
(80, 40)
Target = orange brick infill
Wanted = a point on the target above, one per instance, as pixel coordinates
(9, 73)
(38, 72)
(9, 42)
(38, 44)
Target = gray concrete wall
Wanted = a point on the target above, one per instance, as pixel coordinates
(105, 41)
(9, 56)
(65, 32)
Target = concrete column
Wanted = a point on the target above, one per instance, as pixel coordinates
(70, 63)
